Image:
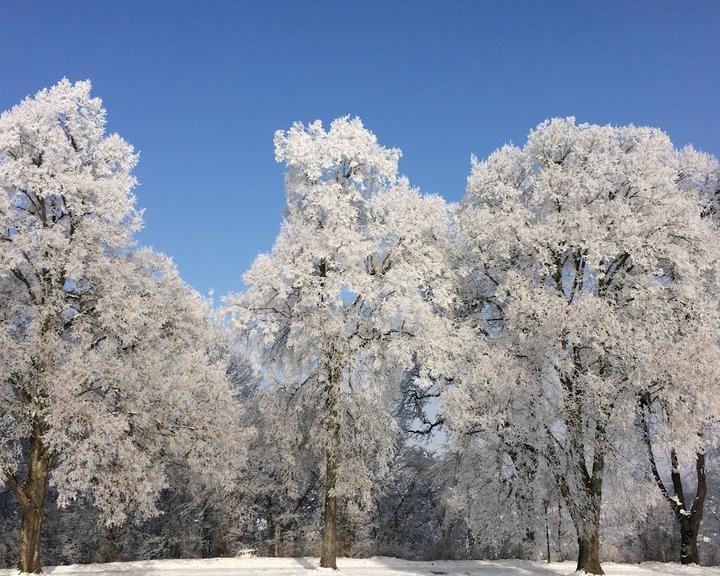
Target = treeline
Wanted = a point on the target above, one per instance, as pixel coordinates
(531, 372)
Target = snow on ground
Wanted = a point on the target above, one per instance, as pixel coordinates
(357, 567)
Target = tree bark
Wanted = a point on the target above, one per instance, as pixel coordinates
(689, 553)
(31, 497)
(332, 429)
(547, 532)
(588, 529)
(589, 551)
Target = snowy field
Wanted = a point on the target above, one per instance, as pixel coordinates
(356, 567)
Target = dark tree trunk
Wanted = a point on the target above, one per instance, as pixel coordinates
(547, 532)
(561, 554)
(588, 529)
(30, 529)
(589, 536)
(329, 544)
(332, 429)
(31, 497)
(688, 542)
(586, 519)
(589, 552)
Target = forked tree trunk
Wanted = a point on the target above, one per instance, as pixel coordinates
(31, 497)
(332, 429)
(690, 520)
(688, 517)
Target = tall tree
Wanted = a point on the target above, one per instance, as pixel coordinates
(678, 414)
(569, 242)
(106, 363)
(350, 289)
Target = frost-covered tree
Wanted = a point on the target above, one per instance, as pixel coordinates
(679, 414)
(580, 251)
(412, 519)
(283, 486)
(107, 367)
(349, 291)
(504, 494)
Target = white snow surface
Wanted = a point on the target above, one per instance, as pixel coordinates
(379, 566)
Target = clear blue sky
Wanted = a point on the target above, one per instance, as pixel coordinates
(200, 87)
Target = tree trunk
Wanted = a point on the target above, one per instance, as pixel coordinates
(547, 532)
(589, 531)
(329, 545)
(589, 552)
(32, 503)
(690, 520)
(688, 542)
(561, 553)
(332, 429)
(585, 508)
